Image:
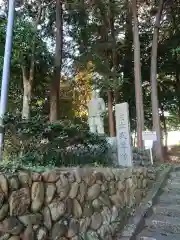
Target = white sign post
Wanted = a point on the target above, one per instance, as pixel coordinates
(149, 138)
(123, 135)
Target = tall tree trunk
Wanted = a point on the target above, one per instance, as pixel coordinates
(137, 74)
(114, 66)
(177, 81)
(110, 115)
(28, 77)
(55, 85)
(154, 94)
(163, 118)
(104, 37)
(128, 59)
(27, 86)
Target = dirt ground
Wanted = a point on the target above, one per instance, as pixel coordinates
(172, 154)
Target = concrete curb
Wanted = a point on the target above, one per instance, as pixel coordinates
(136, 221)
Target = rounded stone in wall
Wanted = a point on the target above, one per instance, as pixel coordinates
(4, 211)
(96, 221)
(118, 199)
(69, 207)
(99, 176)
(4, 185)
(50, 176)
(145, 172)
(28, 234)
(11, 225)
(50, 190)
(108, 174)
(90, 179)
(19, 202)
(31, 219)
(71, 177)
(63, 179)
(74, 190)
(93, 192)
(120, 186)
(14, 238)
(97, 204)
(14, 183)
(84, 224)
(37, 196)
(138, 194)
(129, 183)
(141, 176)
(25, 179)
(104, 198)
(4, 236)
(62, 189)
(88, 209)
(135, 180)
(2, 197)
(112, 187)
(78, 174)
(104, 187)
(77, 210)
(36, 177)
(139, 183)
(73, 228)
(75, 238)
(41, 233)
(144, 183)
(47, 218)
(57, 209)
(82, 191)
(59, 230)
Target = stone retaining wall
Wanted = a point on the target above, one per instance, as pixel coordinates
(72, 204)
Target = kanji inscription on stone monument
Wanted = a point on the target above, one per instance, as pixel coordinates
(123, 135)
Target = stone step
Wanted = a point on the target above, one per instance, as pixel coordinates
(167, 224)
(172, 191)
(175, 174)
(173, 184)
(177, 178)
(149, 234)
(167, 210)
(169, 198)
(175, 181)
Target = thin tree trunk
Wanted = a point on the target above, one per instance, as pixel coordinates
(55, 86)
(137, 74)
(28, 78)
(177, 82)
(114, 66)
(153, 77)
(164, 127)
(128, 59)
(104, 37)
(27, 85)
(110, 115)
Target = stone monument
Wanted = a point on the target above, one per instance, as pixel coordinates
(124, 148)
(96, 110)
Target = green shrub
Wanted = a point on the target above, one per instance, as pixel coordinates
(38, 142)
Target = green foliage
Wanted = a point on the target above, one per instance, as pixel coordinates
(21, 56)
(38, 142)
